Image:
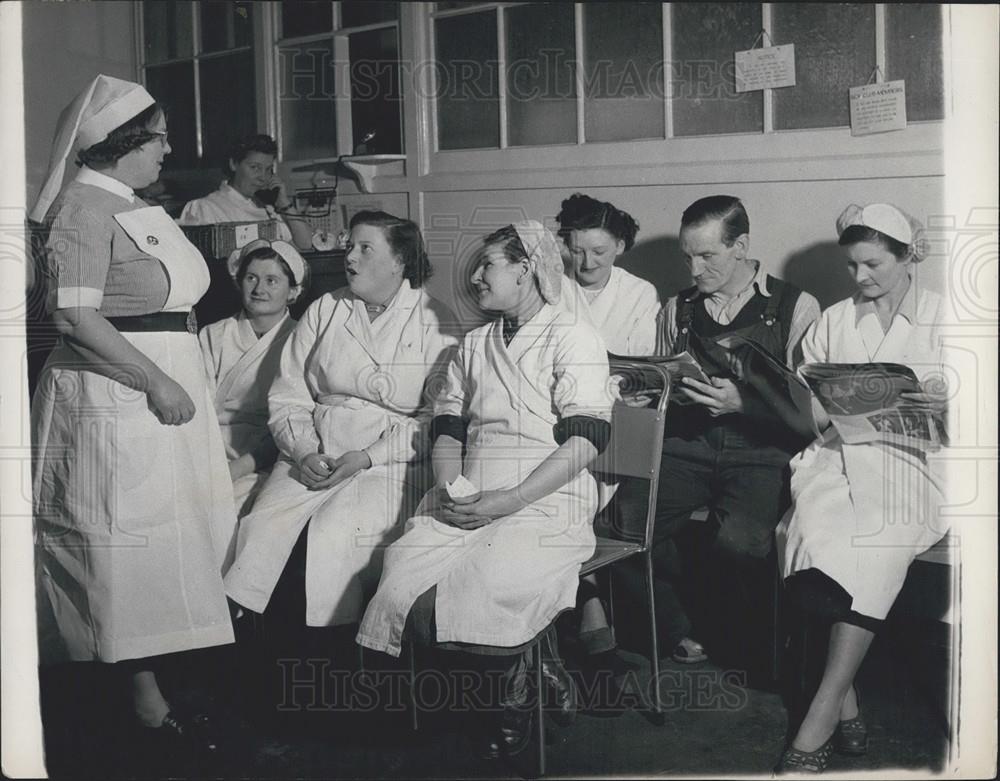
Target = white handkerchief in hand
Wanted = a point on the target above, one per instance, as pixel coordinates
(460, 487)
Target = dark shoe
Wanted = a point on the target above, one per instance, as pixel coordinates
(851, 735)
(795, 761)
(597, 641)
(176, 733)
(559, 682)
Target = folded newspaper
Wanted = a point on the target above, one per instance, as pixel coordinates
(865, 404)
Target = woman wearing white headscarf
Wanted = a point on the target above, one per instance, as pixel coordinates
(133, 503)
(527, 399)
(860, 513)
(242, 354)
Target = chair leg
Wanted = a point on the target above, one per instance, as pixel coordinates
(776, 633)
(413, 688)
(655, 658)
(539, 712)
(611, 604)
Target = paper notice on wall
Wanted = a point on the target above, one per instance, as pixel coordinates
(767, 68)
(246, 233)
(878, 108)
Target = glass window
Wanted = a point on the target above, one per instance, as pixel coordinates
(356, 14)
(541, 85)
(225, 25)
(376, 102)
(834, 51)
(623, 71)
(913, 52)
(173, 88)
(306, 17)
(166, 30)
(704, 38)
(305, 102)
(467, 82)
(228, 105)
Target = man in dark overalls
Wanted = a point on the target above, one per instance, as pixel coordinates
(726, 447)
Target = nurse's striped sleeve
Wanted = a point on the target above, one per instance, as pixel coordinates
(79, 250)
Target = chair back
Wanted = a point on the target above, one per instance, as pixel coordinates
(637, 432)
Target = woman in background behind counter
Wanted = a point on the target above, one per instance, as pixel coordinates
(246, 194)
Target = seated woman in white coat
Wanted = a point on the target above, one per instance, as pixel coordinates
(526, 408)
(623, 309)
(861, 513)
(621, 306)
(241, 358)
(350, 415)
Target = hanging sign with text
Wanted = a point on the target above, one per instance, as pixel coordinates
(767, 68)
(878, 108)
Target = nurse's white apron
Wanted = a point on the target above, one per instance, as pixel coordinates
(133, 518)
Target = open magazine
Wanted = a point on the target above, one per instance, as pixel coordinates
(862, 399)
(678, 366)
(864, 404)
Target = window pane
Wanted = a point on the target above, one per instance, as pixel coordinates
(355, 14)
(376, 103)
(228, 109)
(623, 71)
(225, 25)
(834, 51)
(173, 88)
(704, 38)
(467, 84)
(305, 17)
(541, 85)
(308, 114)
(166, 28)
(913, 53)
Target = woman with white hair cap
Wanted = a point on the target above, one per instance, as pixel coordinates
(861, 512)
(242, 354)
(133, 503)
(525, 410)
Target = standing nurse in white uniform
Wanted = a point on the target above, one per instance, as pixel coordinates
(133, 503)
(861, 513)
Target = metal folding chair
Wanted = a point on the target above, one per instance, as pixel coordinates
(633, 452)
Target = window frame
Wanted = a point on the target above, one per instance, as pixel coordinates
(340, 36)
(196, 58)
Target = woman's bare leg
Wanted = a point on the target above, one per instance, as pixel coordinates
(834, 700)
(147, 699)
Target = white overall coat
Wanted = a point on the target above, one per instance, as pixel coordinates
(502, 583)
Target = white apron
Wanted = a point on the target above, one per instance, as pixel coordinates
(344, 384)
(241, 368)
(133, 518)
(861, 513)
(503, 583)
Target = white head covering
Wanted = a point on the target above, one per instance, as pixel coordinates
(105, 104)
(887, 219)
(282, 249)
(543, 256)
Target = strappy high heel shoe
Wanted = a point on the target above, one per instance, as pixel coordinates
(794, 760)
(851, 735)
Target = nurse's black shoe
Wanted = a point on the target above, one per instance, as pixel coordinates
(512, 734)
(194, 735)
(851, 735)
(558, 681)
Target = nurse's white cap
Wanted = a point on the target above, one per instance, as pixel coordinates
(282, 249)
(105, 104)
(889, 220)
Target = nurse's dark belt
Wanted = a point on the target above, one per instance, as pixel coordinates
(156, 321)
